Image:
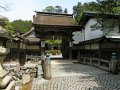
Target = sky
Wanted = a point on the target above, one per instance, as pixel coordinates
(24, 9)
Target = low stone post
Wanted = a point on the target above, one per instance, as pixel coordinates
(78, 57)
(47, 68)
(114, 64)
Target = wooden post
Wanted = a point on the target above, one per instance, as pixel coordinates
(19, 51)
(70, 53)
(63, 45)
(78, 57)
(70, 45)
(64, 48)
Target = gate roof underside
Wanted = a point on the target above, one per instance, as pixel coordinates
(55, 30)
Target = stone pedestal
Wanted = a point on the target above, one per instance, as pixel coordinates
(47, 68)
(6, 82)
(114, 67)
(114, 63)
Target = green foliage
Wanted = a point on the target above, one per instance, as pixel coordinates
(108, 6)
(8, 26)
(53, 42)
(49, 42)
(57, 42)
(77, 11)
(21, 26)
(17, 25)
(50, 9)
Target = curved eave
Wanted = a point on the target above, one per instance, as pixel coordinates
(58, 27)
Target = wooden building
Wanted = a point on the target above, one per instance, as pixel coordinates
(24, 47)
(97, 43)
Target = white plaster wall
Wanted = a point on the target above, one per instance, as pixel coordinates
(91, 34)
(115, 30)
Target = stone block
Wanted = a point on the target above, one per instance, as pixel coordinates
(26, 79)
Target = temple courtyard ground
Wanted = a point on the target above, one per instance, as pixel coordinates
(68, 75)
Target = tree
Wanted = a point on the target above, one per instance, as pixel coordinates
(108, 6)
(90, 6)
(4, 5)
(21, 26)
(7, 25)
(77, 11)
(49, 9)
(65, 11)
(58, 9)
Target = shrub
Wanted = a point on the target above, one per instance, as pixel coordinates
(58, 52)
(53, 52)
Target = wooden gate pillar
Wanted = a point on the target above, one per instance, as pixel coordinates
(64, 48)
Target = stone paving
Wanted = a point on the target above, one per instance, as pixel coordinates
(67, 75)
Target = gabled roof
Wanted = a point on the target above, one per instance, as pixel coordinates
(28, 33)
(88, 15)
(44, 18)
(27, 38)
(31, 39)
(19, 38)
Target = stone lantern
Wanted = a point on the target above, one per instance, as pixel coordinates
(6, 82)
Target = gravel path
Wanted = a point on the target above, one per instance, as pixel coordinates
(72, 76)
